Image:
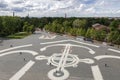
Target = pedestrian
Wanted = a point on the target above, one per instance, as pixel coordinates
(60, 69)
(50, 64)
(92, 41)
(24, 59)
(105, 53)
(11, 45)
(106, 65)
(20, 53)
(56, 71)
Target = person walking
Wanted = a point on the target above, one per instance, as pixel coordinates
(24, 59)
(20, 53)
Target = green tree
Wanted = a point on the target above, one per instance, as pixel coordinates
(25, 27)
(93, 33)
(88, 33)
(79, 23)
(10, 24)
(114, 25)
(58, 28)
(113, 35)
(1, 27)
(78, 32)
(118, 41)
(76, 23)
(66, 25)
(83, 32)
(62, 30)
(30, 29)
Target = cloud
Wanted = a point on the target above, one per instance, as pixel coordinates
(18, 9)
(71, 7)
(3, 4)
(118, 11)
(17, 1)
(91, 10)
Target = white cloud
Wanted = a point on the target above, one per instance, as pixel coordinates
(102, 3)
(90, 10)
(71, 7)
(118, 11)
(80, 7)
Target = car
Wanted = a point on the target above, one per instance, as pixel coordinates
(88, 39)
(111, 44)
(80, 38)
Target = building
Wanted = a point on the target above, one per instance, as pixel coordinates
(98, 26)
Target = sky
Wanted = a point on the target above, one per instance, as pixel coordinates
(58, 8)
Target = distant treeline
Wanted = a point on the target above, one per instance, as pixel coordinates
(71, 26)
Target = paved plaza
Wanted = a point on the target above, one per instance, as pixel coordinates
(45, 56)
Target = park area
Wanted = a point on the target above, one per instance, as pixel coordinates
(45, 56)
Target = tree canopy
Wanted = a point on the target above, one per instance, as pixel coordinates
(72, 26)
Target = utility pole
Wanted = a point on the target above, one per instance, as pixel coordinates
(13, 14)
(65, 15)
(28, 15)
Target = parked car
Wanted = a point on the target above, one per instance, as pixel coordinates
(80, 38)
(111, 44)
(88, 39)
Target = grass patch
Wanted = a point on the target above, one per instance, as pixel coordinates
(19, 35)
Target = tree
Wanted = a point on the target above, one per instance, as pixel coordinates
(47, 27)
(114, 25)
(1, 27)
(25, 27)
(83, 32)
(73, 31)
(113, 35)
(76, 23)
(62, 30)
(66, 25)
(78, 32)
(10, 25)
(104, 21)
(93, 33)
(118, 40)
(58, 28)
(88, 33)
(30, 29)
(79, 23)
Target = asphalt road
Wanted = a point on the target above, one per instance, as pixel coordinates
(37, 56)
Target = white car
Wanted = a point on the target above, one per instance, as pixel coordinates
(80, 38)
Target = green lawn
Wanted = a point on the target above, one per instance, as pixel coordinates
(19, 35)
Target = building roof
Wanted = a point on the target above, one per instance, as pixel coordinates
(98, 26)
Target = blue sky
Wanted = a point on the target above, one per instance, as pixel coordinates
(73, 8)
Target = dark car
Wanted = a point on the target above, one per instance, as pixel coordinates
(88, 39)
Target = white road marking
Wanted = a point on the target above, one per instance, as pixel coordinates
(114, 50)
(53, 77)
(87, 61)
(90, 50)
(41, 57)
(96, 73)
(47, 37)
(85, 43)
(44, 48)
(54, 42)
(72, 41)
(63, 58)
(106, 56)
(22, 71)
(15, 48)
(41, 37)
(12, 52)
